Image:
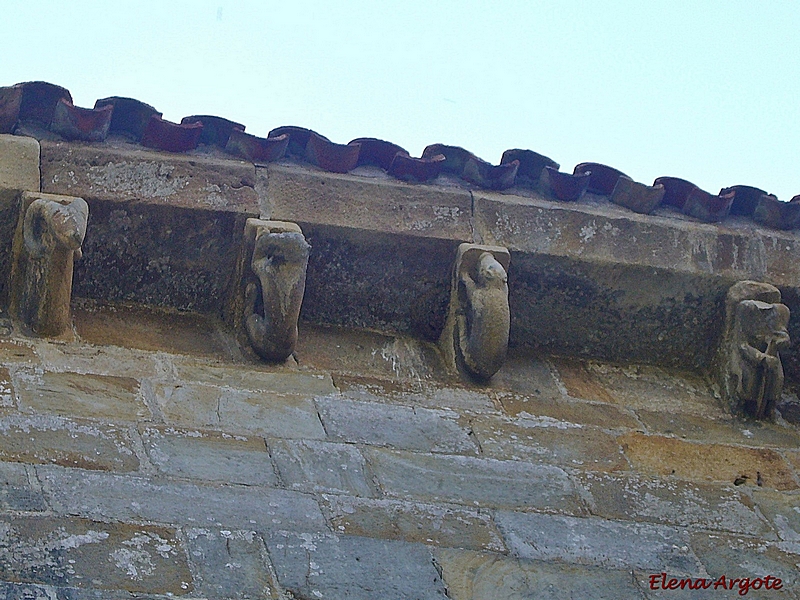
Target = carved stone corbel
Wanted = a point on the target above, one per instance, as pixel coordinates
(49, 235)
(749, 366)
(276, 255)
(475, 336)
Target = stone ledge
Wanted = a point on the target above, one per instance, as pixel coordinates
(312, 196)
(602, 232)
(96, 172)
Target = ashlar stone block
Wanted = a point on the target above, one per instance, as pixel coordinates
(19, 163)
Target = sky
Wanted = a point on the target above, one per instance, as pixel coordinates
(707, 91)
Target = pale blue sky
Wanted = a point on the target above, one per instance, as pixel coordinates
(701, 90)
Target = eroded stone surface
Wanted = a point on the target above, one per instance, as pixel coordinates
(450, 526)
(53, 440)
(120, 175)
(794, 460)
(401, 363)
(272, 415)
(371, 389)
(315, 466)
(526, 373)
(368, 280)
(81, 395)
(672, 501)
(93, 494)
(78, 552)
(606, 234)
(402, 427)
(474, 481)
(721, 430)
(152, 329)
(783, 511)
(339, 566)
(79, 359)
(706, 462)
(580, 383)
(231, 564)
(6, 388)
(567, 411)
(211, 456)
(642, 386)
(739, 556)
(598, 542)
(285, 382)
(471, 575)
(548, 440)
(16, 351)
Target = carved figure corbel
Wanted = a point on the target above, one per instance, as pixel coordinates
(755, 331)
(278, 258)
(475, 337)
(52, 231)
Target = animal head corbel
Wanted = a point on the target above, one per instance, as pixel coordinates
(476, 333)
(278, 258)
(51, 225)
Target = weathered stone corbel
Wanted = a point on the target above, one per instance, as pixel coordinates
(749, 366)
(49, 235)
(475, 336)
(276, 255)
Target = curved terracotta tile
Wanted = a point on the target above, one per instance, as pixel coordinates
(130, 116)
(377, 153)
(76, 123)
(565, 186)
(256, 149)
(636, 196)
(419, 170)
(530, 164)
(708, 207)
(455, 157)
(171, 137)
(10, 100)
(486, 175)
(774, 213)
(676, 190)
(336, 158)
(298, 139)
(216, 130)
(745, 200)
(39, 100)
(603, 178)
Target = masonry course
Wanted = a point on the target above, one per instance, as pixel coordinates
(224, 491)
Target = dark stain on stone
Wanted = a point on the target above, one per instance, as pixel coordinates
(9, 214)
(790, 357)
(625, 314)
(377, 281)
(160, 256)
